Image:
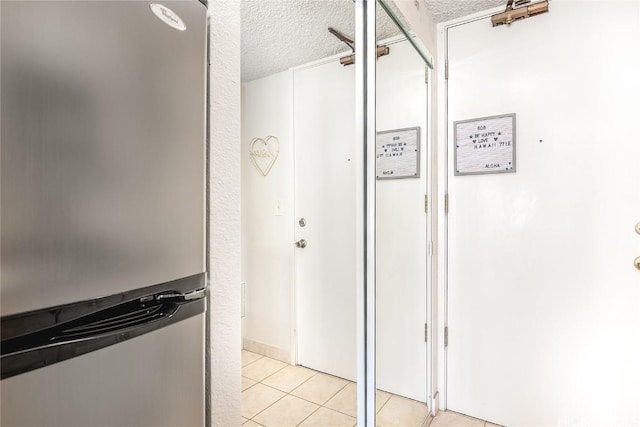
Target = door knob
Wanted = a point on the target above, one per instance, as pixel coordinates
(301, 244)
(638, 228)
(636, 262)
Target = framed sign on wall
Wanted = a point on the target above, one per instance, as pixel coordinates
(485, 145)
(398, 153)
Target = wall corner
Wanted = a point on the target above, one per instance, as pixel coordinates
(223, 341)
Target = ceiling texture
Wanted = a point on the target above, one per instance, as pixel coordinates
(445, 10)
(280, 34)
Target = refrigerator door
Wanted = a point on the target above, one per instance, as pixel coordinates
(102, 154)
(150, 381)
(102, 183)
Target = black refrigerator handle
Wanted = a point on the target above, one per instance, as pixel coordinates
(183, 297)
(121, 318)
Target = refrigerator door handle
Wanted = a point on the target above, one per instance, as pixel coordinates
(183, 297)
(32, 340)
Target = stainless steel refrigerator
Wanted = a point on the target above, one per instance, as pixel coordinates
(102, 223)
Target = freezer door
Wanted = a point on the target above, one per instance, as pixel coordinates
(154, 380)
(102, 153)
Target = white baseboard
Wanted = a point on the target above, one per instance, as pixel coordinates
(267, 350)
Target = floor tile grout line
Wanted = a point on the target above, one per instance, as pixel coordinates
(337, 410)
(304, 382)
(310, 401)
(278, 400)
(286, 394)
(340, 412)
(253, 361)
(260, 381)
(289, 392)
(335, 394)
(315, 374)
(330, 397)
(251, 386)
(286, 365)
(308, 416)
(384, 404)
(319, 372)
(269, 376)
(319, 406)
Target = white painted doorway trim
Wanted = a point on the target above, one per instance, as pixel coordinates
(291, 232)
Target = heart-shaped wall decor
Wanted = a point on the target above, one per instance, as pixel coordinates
(264, 153)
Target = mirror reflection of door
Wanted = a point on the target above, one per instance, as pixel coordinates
(298, 264)
(299, 218)
(402, 261)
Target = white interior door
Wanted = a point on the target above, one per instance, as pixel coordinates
(324, 132)
(543, 296)
(324, 123)
(401, 246)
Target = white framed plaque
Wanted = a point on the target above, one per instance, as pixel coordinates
(398, 153)
(485, 145)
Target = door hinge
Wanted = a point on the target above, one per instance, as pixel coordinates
(426, 204)
(446, 336)
(446, 70)
(425, 332)
(426, 75)
(446, 204)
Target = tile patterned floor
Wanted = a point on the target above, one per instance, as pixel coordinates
(275, 394)
(453, 419)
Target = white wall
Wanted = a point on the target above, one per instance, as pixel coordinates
(267, 219)
(223, 310)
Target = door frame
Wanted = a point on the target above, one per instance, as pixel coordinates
(442, 223)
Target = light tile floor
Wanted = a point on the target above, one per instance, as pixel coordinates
(275, 394)
(453, 419)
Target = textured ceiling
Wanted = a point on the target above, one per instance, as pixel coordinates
(444, 10)
(280, 34)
